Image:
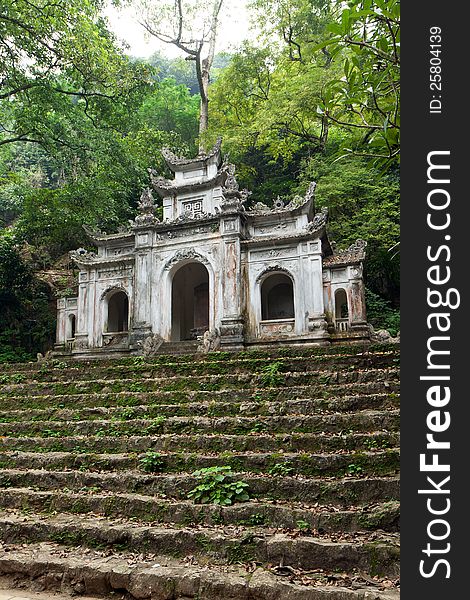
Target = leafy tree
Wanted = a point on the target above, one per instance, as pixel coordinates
(182, 71)
(57, 57)
(363, 202)
(171, 108)
(367, 96)
(26, 322)
(191, 27)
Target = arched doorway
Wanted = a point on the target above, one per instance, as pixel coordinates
(341, 310)
(118, 312)
(71, 327)
(277, 297)
(189, 302)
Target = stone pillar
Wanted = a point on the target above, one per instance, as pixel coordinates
(315, 318)
(357, 302)
(82, 331)
(61, 335)
(141, 305)
(232, 325)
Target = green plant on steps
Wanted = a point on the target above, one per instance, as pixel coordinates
(271, 375)
(152, 462)
(354, 469)
(218, 487)
(281, 469)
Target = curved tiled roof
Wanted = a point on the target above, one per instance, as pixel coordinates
(354, 254)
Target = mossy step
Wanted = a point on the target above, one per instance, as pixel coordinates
(301, 463)
(375, 555)
(208, 443)
(301, 406)
(330, 423)
(201, 382)
(319, 353)
(319, 519)
(241, 394)
(177, 486)
(148, 369)
(82, 571)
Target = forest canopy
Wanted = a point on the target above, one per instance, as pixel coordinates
(314, 97)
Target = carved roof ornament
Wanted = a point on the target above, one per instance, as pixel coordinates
(354, 254)
(260, 207)
(231, 184)
(173, 161)
(233, 197)
(310, 191)
(146, 203)
(280, 206)
(93, 232)
(147, 207)
(357, 246)
(319, 220)
(82, 256)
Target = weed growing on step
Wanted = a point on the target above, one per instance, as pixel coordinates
(135, 387)
(255, 520)
(303, 526)
(271, 375)
(258, 427)
(127, 401)
(13, 378)
(218, 487)
(152, 462)
(281, 470)
(137, 361)
(156, 426)
(127, 413)
(376, 444)
(354, 469)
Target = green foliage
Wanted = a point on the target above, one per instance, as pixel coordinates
(218, 487)
(354, 469)
(381, 315)
(156, 425)
(303, 525)
(271, 375)
(281, 469)
(26, 324)
(60, 63)
(152, 462)
(366, 97)
(363, 202)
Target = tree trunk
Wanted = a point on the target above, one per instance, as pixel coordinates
(203, 79)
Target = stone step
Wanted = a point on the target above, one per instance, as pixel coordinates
(241, 394)
(213, 443)
(301, 406)
(281, 463)
(319, 519)
(372, 553)
(315, 353)
(139, 369)
(328, 423)
(51, 567)
(182, 348)
(201, 382)
(177, 485)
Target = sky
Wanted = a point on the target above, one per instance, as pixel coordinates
(232, 31)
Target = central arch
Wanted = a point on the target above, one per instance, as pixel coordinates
(189, 302)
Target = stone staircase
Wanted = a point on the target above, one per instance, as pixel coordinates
(98, 459)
